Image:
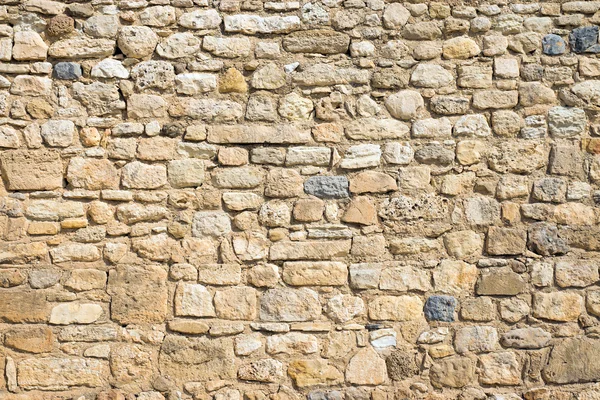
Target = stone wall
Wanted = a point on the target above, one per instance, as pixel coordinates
(326, 199)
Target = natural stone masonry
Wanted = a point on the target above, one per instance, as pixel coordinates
(326, 199)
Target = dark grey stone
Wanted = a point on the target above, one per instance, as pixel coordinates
(543, 239)
(327, 187)
(553, 45)
(434, 154)
(584, 40)
(550, 190)
(440, 308)
(67, 70)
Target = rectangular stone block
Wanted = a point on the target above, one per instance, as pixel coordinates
(54, 373)
(248, 134)
(21, 306)
(32, 169)
(309, 250)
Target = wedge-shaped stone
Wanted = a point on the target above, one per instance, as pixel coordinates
(309, 250)
(372, 182)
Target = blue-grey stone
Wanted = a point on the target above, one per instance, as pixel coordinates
(553, 45)
(67, 70)
(440, 308)
(543, 238)
(327, 187)
(584, 40)
(320, 394)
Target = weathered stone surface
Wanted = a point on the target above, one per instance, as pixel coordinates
(23, 306)
(253, 24)
(323, 273)
(557, 306)
(309, 250)
(289, 305)
(500, 282)
(526, 338)
(478, 339)
(572, 361)
(454, 372)
(257, 134)
(58, 133)
(29, 46)
(266, 370)
(315, 372)
(200, 19)
(32, 169)
(92, 174)
(139, 294)
(396, 308)
(137, 175)
(197, 359)
(576, 273)
(81, 47)
(236, 304)
(440, 308)
(499, 369)
(35, 339)
(316, 41)
(553, 45)
(137, 41)
(75, 313)
(455, 277)
(366, 368)
(54, 373)
(326, 187)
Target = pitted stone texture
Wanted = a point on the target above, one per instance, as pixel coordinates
(335, 187)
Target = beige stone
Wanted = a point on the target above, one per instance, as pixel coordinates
(139, 294)
(32, 170)
(232, 81)
(557, 306)
(396, 308)
(320, 273)
(314, 372)
(53, 373)
(366, 368)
